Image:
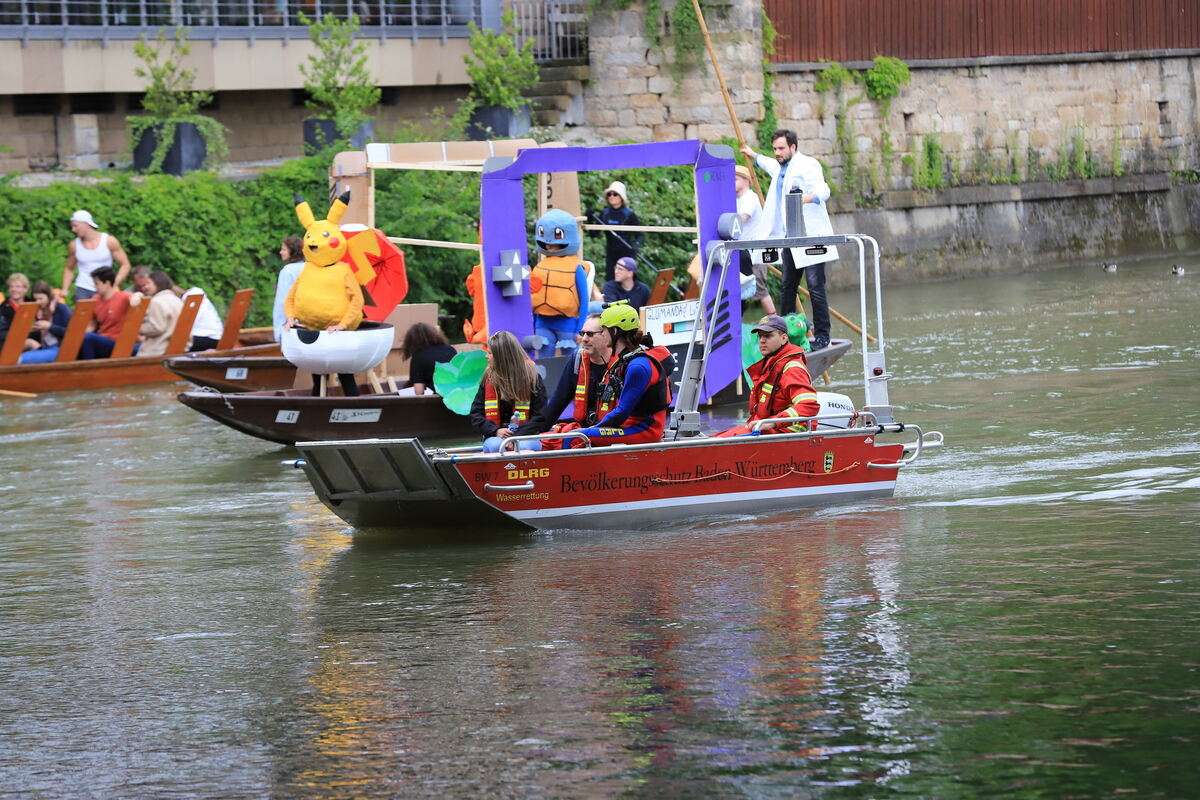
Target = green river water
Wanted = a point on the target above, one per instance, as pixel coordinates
(179, 618)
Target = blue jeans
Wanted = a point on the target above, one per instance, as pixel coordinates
(492, 445)
(83, 294)
(43, 355)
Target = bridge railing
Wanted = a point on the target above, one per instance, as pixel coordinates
(236, 19)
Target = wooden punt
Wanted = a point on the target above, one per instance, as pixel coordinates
(294, 415)
(123, 369)
(238, 373)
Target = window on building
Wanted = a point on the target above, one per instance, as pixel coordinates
(93, 103)
(36, 105)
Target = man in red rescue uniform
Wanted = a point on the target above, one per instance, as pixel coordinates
(782, 386)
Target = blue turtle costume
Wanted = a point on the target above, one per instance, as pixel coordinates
(560, 302)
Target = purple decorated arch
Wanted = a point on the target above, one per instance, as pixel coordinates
(505, 231)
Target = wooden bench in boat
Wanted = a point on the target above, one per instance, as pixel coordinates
(72, 340)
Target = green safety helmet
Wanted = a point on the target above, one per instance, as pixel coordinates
(619, 314)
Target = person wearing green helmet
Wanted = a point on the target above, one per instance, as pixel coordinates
(635, 391)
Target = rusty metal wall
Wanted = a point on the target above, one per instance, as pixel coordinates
(859, 30)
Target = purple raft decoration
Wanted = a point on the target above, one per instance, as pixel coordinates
(504, 227)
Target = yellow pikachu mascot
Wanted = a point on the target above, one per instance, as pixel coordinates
(326, 295)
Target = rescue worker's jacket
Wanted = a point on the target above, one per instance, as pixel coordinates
(491, 407)
(782, 388)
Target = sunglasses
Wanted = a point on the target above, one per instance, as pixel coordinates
(589, 333)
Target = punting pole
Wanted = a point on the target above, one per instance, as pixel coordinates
(737, 131)
(737, 128)
(14, 393)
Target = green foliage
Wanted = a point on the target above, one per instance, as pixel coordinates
(336, 78)
(884, 79)
(221, 235)
(500, 72)
(928, 164)
(770, 121)
(170, 99)
(686, 39)
(169, 94)
(1116, 156)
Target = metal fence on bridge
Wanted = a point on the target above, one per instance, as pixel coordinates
(236, 19)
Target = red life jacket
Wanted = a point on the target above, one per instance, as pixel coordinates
(765, 401)
(491, 406)
(657, 396)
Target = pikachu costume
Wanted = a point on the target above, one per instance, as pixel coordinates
(326, 294)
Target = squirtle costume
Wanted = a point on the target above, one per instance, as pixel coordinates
(560, 303)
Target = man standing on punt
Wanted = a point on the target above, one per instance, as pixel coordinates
(90, 251)
(792, 170)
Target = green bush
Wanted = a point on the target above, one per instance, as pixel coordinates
(222, 235)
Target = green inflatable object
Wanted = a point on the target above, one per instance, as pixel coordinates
(750, 352)
(457, 380)
(798, 329)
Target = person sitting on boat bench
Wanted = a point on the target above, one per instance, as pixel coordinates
(18, 287)
(511, 398)
(579, 386)
(48, 329)
(635, 391)
(425, 347)
(782, 386)
(112, 306)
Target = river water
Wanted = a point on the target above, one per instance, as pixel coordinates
(179, 617)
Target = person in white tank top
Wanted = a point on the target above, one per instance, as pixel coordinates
(90, 251)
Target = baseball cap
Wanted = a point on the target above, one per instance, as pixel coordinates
(771, 322)
(625, 262)
(84, 216)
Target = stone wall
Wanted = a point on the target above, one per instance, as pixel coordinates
(996, 119)
(633, 94)
(1003, 119)
(986, 229)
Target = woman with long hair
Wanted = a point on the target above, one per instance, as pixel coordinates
(424, 346)
(635, 391)
(49, 327)
(511, 397)
(161, 315)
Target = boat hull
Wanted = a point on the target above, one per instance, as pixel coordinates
(104, 373)
(396, 484)
(236, 374)
(286, 417)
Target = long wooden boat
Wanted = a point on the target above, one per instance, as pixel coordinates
(402, 485)
(292, 415)
(238, 373)
(123, 369)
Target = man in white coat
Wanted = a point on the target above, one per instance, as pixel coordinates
(793, 171)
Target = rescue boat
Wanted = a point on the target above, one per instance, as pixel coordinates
(845, 456)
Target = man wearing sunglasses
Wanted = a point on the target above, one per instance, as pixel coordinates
(574, 401)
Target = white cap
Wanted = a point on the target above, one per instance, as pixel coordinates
(84, 216)
(619, 188)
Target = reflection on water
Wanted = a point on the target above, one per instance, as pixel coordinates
(178, 616)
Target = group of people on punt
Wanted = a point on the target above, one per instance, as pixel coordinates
(618, 388)
(89, 274)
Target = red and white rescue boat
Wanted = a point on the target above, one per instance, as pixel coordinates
(850, 455)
